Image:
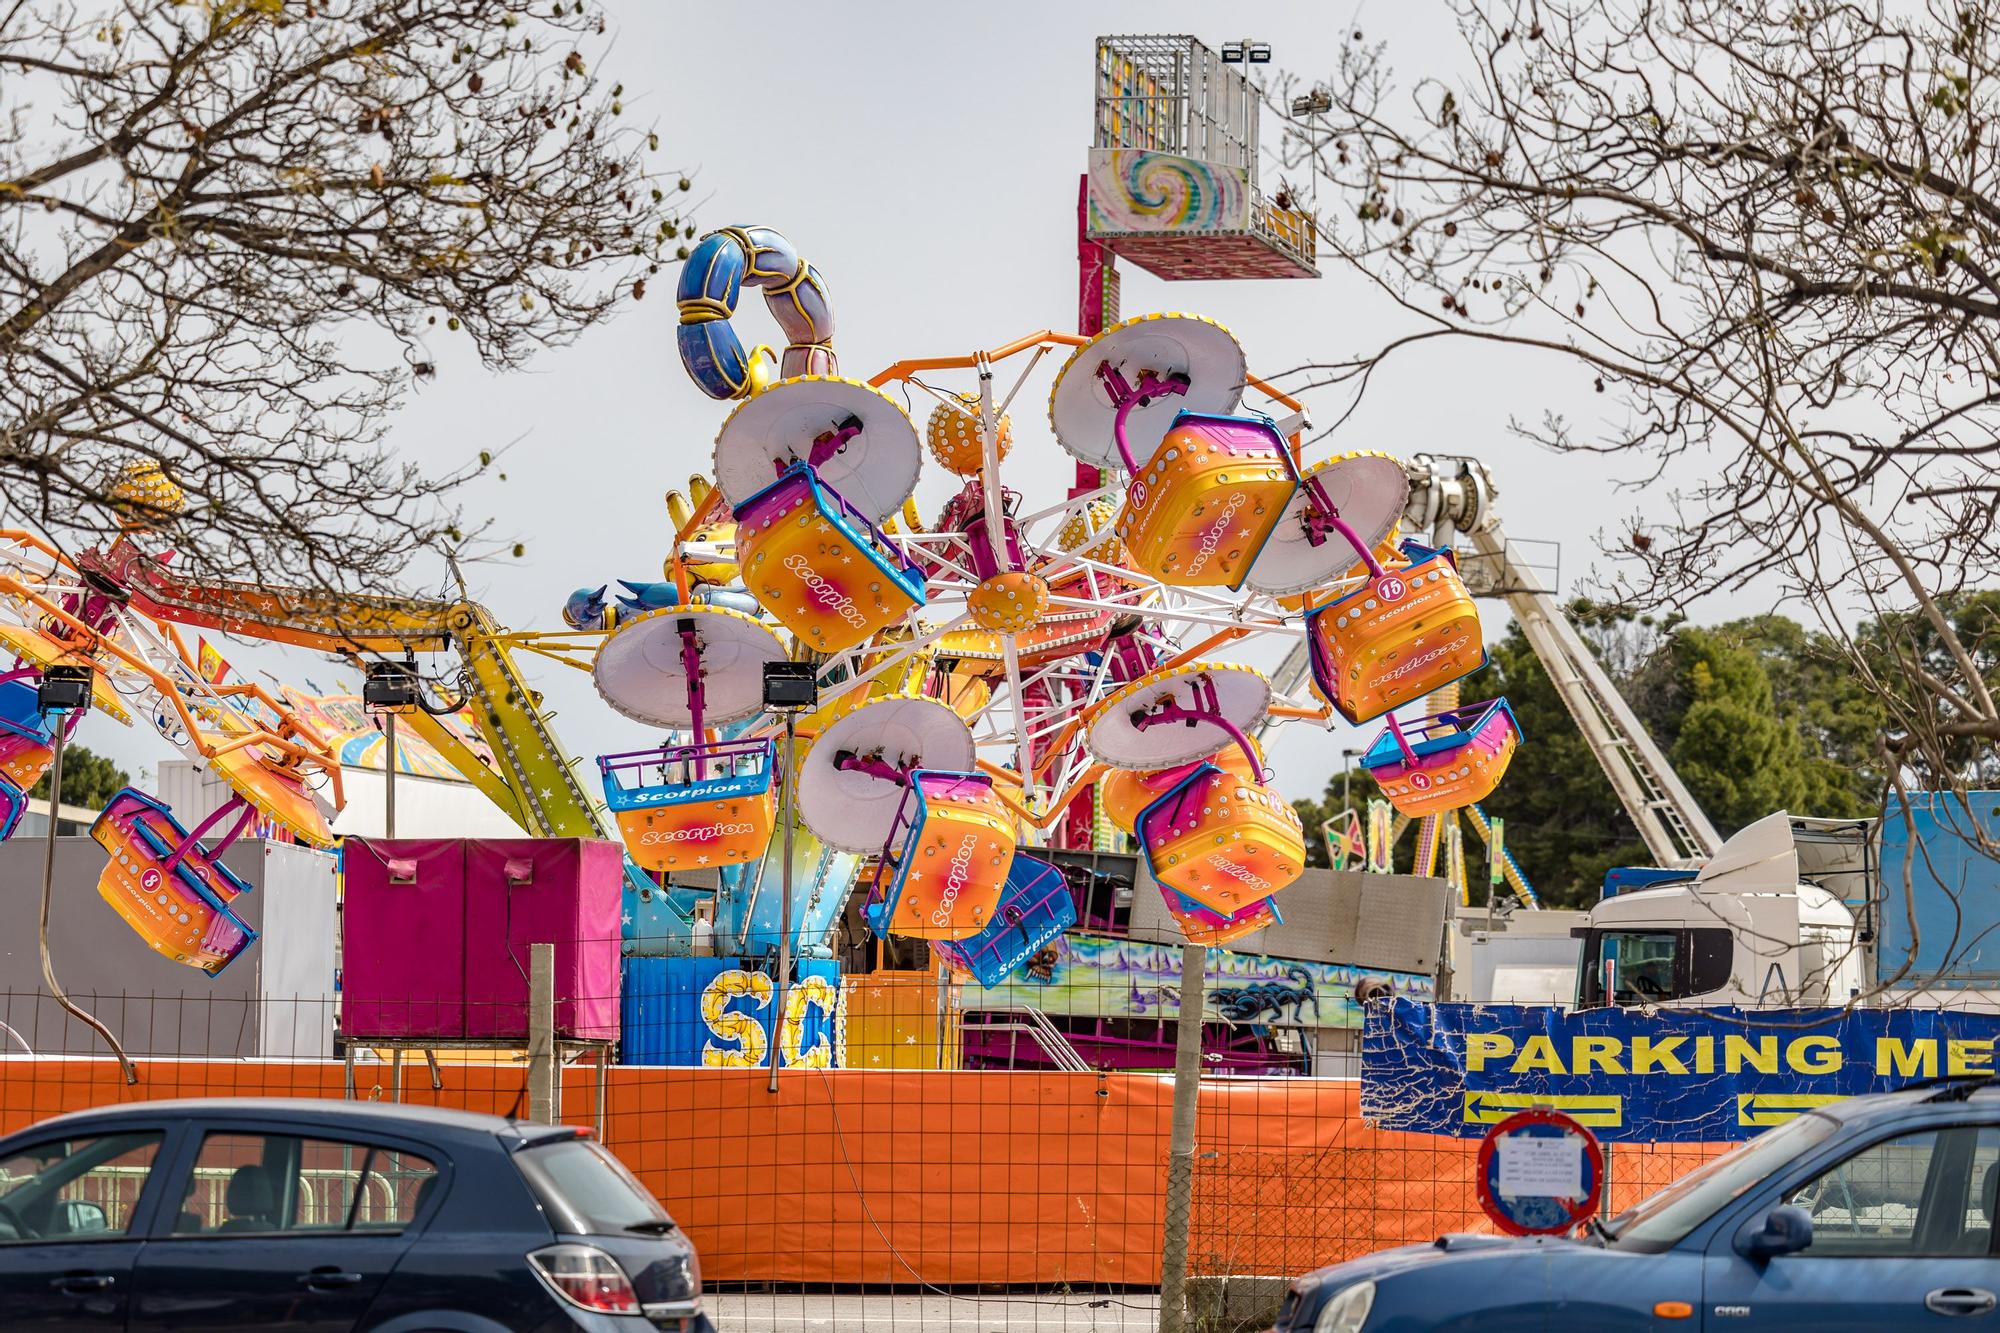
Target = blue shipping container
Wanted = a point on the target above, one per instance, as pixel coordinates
(1952, 884)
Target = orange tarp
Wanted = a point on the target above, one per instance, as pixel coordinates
(849, 1176)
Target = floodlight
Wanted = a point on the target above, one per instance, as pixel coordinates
(390, 687)
(790, 686)
(64, 689)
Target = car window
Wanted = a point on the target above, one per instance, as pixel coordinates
(1872, 1204)
(395, 1187)
(251, 1184)
(1982, 1200)
(1660, 1221)
(75, 1188)
(578, 1179)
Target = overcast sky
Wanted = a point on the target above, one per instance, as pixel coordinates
(926, 157)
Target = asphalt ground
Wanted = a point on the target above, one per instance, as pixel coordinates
(1009, 1312)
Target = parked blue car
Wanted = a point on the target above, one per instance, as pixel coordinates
(331, 1217)
(1875, 1213)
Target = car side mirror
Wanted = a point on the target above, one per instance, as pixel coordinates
(1786, 1229)
(81, 1217)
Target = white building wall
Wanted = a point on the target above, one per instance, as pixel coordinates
(425, 807)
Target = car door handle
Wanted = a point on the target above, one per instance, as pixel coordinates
(1960, 1300)
(328, 1278)
(82, 1284)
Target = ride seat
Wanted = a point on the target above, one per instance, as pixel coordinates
(819, 566)
(1222, 840)
(1396, 638)
(1198, 512)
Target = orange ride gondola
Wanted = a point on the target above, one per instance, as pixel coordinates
(699, 802)
(1410, 629)
(168, 885)
(1221, 839)
(811, 465)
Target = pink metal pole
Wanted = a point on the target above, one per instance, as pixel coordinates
(1324, 509)
(243, 810)
(691, 663)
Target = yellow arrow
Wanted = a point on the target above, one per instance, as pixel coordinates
(1490, 1108)
(1775, 1108)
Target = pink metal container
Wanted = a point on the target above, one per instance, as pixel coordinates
(436, 935)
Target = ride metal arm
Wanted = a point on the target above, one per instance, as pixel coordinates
(1453, 495)
(535, 781)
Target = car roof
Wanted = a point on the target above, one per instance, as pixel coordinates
(1980, 1091)
(381, 1116)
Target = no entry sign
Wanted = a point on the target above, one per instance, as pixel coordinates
(1540, 1173)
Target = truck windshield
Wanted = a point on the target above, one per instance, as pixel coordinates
(1661, 1221)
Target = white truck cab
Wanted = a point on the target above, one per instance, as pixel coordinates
(1743, 930)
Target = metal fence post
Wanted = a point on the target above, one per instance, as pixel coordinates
(784, 967)
(542, 1070)
(1181, 1141)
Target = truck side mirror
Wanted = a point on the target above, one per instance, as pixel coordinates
(1786, 1229)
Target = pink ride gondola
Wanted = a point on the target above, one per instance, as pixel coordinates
(1226, 840)
(1446, 761)
(27, 742)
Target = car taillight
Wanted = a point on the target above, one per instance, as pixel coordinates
(588, 1277)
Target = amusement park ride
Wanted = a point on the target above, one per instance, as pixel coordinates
(986, 678)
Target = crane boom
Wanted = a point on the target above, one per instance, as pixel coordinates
(1452, 495)
(533, 780)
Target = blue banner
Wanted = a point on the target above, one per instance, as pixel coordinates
(1679, 1076)
(716, 1012)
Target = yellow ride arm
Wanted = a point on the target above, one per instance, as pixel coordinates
(533, 779)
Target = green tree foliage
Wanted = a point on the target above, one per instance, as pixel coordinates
(89, 779)
(1928, 736)
(1314, 814)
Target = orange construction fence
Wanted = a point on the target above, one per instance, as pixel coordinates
(852, 1176)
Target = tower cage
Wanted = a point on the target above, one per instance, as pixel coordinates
(1173, 180)
(1174, 95)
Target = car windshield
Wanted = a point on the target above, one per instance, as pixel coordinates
(1659, 1222)
(577, 1179)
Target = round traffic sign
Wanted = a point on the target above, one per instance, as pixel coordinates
(1540, 1173)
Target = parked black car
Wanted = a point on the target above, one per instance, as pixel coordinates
(331, 1217)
